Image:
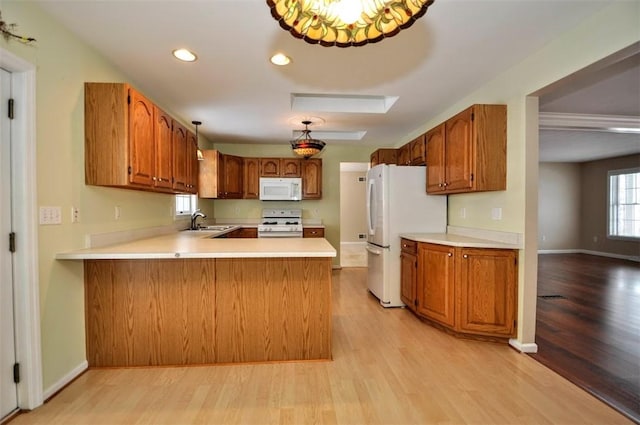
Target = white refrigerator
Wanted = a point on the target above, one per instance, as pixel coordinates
(397, 202)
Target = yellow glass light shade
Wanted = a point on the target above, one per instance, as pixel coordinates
(323, 21)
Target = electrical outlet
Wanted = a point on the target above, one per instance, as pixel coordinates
(463, 212)
(117, 212)
(362, 236)
(544, 238)
(496, 213)
(75, 215)
(50, 215)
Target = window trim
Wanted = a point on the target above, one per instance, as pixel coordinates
(184, 214)
(610, 174)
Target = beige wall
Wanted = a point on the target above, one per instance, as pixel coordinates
(353, 209)
(594, 191)
(559, 209)
(64, 63)
(327, 209)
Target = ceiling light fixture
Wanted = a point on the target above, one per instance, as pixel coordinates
(280, 59)
(198, 151)
(305, 146)
(345, 23)
(185, 55)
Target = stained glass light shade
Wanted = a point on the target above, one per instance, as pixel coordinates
(306, 146)
(345, 23)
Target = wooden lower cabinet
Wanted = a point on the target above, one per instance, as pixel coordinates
(469, 291)
(244, 232)
(436, 283)
(202, 311)
(487, 296)
(408, 272)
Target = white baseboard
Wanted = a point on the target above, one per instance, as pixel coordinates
(588, 252)
(65, 380)
(523, 348)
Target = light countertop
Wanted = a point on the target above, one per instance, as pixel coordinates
(202, 244)
(457, 240)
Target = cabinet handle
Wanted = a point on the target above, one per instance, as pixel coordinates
(449, 255)
(445, 184)
(465, 256)
(153, 178)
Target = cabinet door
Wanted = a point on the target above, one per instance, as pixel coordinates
(408, 279)
(251, 183)
(141, 143)
(290, 167)
(179, 157)
(192, 163)
(404, 154)
(374, 159)
(488, 296)
(232, 176)
(164, 151)
(418, 151)
(269, 167)
(459, 152)
(312, 178)
(436, 284)
(434, 140)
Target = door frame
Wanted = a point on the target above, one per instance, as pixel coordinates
(24, 210)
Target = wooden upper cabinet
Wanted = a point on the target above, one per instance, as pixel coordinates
(487, 292)
(384, 156)
(434, 141)
(192, 163)
(312, 178)
(179, 157)
(220, 176)
(164, 150)
(474, 151)
(269, 167)
(417, 148)
(290, 167)
(280, 167)
(251, 183)
(232, 176)
(404, 154)
(141, 139)
(129, 141)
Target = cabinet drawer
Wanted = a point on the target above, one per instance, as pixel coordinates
(408, 246)
(313, 232)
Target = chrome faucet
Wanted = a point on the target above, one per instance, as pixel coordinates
(194, 217)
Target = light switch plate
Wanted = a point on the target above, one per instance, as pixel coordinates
(50, 215)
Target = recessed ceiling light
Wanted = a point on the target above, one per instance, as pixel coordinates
(280, 59)
(185, 55)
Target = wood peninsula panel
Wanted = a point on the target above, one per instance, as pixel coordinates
(273, 309)
(150, 312)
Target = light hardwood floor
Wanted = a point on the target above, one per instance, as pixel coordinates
(388, 368)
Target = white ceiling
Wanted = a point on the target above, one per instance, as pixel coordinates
(241, 97)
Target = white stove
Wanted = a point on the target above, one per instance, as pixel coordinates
(277, 223)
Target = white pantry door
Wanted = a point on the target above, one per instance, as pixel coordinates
(8, 389)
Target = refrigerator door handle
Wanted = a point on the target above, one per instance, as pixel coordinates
(374, 251)
(371, 207)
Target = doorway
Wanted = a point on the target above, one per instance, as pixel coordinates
(22, 209)
(8, 388)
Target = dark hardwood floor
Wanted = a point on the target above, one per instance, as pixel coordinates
(588, 325)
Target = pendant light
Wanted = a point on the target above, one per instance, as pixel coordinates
(199, 152)
(306, 146)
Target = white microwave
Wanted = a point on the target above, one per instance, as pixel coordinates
(280, 189)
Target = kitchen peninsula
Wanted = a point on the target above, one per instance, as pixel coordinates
(187, 298)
